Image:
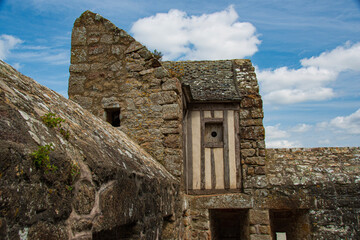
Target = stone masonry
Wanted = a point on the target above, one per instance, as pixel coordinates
(104, 183)
(109, 69)
(227, 80)
(307, 193)
(126, 181)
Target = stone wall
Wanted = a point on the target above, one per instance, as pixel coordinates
(109, 69)
(234, 81)
(324, 181)
(252, 132)
(97, 184)
(311, 193)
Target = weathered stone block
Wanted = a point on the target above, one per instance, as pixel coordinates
(171, 111)
(108, 102)
(78, 68)
(134, 46)
(147, 71)
(250, 171)
(161, 72)
(255, 161)
(244, 114)
(251, 101)
(78, 36)
(172, 141)
(260, 237)
(251, 122)
(162, 98)
(255, 133)
(133, 66)
(247, 102)
(146, 54)
(259, 170)
(262, 152)
(169, 130)
(76, 84)
(97, 49)
(118, 66)
(173, 163)
(259, 217)
(171, 84)
(246, 145)
(253, 230)
(107, 39)
(118, 49)
(275, 180)
(257, 113)
(248, 152)
(78, 55)
(93, 39)
(85, 102)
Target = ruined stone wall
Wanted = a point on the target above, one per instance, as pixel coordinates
(109, 69)
(315, 192)
(325, 181)
(97, 184)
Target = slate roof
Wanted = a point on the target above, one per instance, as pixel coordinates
(211, 81)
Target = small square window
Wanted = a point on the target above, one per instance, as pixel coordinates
(214, 134)
(113, 116)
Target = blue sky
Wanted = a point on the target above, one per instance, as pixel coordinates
(306, 53)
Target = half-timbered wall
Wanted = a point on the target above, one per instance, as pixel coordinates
(212, 148)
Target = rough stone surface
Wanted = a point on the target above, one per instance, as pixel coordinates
(106, 185)
(103, 180)
(111, 69)
(323, 180)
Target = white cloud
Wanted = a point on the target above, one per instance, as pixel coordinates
(289, 96)
(42, 54)
(324, 142)
(210, 36)
(7, 43)
(311, 81)
(301, 128)
(281, 144)
(17, 66)
(26, 53)
(277, 138)
(274, 132)
(340, 59)
(350, 124)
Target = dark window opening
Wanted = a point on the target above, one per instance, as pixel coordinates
(214, 134)
(113, 116)
(289, 224)
(126, 231)
(229, 224)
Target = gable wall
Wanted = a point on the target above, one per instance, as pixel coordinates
(110, 69)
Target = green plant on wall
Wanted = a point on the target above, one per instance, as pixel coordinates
(65, 133)
(41, 158)
(52, 121)
(74, 172)
(157, 54)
